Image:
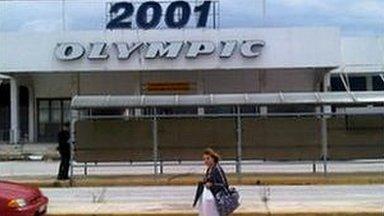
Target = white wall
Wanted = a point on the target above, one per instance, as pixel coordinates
(284, 48)
(362, 55)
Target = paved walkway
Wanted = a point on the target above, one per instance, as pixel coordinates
(281, 199)
(42, 168)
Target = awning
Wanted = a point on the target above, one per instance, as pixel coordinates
(311, 98)
(360, 69)
(2, 76)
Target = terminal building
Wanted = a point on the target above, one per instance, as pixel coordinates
(41, 73)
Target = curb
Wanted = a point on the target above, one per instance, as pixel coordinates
(191, 179)
(236, 214)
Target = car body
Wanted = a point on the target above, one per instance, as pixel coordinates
(21, 200)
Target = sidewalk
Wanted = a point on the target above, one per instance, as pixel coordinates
(281, 200)
(191, 179)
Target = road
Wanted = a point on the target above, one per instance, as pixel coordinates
(282, 199)
(49, 168)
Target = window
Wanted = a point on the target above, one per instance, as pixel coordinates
(220, 110)
(176, 110)
(356, 83)
(378, 83)
(108, 112)
(249, 109)
(52, 115)
(291, 109)
(337, 84)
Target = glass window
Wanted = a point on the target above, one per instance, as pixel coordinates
(358, 83)
(248, 109)
(378, 83)
(67, 111)
(107, 112)
(56, 111)
(291, 109)
(220, 110)
(44, 104)
(176, 110)
(52, 115)
(337, 84)
(43, 115)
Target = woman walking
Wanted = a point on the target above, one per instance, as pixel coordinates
(214, 182)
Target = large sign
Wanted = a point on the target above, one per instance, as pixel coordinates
(71, 51)
(170, 50)
(153, 14)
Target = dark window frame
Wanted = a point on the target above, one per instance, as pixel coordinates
(40, 137)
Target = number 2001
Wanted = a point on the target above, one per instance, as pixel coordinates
(149, 15)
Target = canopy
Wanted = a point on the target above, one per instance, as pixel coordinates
(312, 98)
(360, 69)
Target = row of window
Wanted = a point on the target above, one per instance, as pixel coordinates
(358, 83)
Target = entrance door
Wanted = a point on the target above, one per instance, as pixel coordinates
(5, 112)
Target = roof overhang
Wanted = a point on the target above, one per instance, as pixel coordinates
(360, 69)
(311, 98)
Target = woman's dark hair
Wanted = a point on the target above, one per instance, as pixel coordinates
(213, 154)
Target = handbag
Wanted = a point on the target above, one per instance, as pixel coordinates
(227, 200)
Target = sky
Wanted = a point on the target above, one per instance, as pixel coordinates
(353, 17)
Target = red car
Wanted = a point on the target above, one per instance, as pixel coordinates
(21, 200)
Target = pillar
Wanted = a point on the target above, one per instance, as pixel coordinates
(31, 115)
(155, 142)
(324, 124)
(239, 141)
(324, 142)
(14, 130)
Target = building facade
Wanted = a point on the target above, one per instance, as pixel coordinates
(40, 73)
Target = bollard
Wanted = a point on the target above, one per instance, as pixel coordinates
(85, 169)
(314, 167)
(161, 167)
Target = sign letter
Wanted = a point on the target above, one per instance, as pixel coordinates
(125, 51)
(157, 49)
(200, 48)
(97, 51)
(228, 48)
(251, 49)
(69, 51)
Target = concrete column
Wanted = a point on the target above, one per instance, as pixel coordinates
(324, 143)
(239, 141)
(324, 125)
(155, 142)
(14, 130)
(31, 114)
(75, 115)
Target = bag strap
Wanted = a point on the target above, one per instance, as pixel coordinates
(226, 185)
